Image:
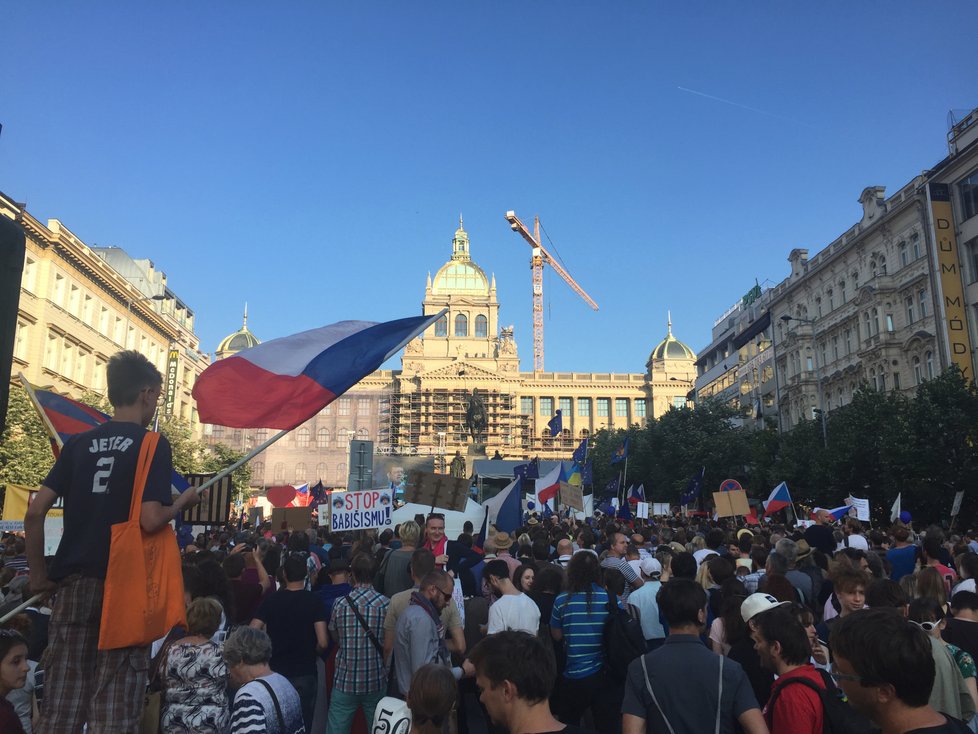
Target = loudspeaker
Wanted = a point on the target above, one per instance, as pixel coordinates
(12, 250)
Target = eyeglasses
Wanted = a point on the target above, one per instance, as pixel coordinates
(927, 626)
(837, 676)
(446, 594)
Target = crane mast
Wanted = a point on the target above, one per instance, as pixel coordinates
(538, 257)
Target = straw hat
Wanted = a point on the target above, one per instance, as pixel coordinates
(502, 541)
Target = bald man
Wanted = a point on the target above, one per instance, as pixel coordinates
(565, 549)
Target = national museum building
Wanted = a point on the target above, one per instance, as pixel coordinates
(420, 409)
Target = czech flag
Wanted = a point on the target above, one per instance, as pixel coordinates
(547, 486)
(636, 494)
(777, 500)
(837, 514)
(283, 382)
(302, 495)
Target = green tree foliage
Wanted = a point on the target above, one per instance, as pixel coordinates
(924, 446)
(25, 451)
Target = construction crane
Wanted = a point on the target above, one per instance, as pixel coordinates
(539, 257)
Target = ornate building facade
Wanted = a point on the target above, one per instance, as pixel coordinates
(79, 305)
(419, 410)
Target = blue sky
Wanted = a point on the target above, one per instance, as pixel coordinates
(312, 158)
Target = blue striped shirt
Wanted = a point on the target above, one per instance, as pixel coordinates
(583, 628)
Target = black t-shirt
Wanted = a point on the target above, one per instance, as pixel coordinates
(94, 475)
(950, 726)
(820, 537)
(290, 618)
(962, 633)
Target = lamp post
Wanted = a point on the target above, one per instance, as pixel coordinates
(821, 405)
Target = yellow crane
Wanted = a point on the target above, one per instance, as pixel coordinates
(537, 260)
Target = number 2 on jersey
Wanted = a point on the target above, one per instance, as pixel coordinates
(100, 484)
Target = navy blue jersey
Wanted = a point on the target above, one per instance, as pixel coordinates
(94, 476)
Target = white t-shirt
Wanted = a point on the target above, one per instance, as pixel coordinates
(702, 554)
(855, 541)
(514, 612)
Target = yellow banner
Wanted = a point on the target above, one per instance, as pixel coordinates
(952, 290)
(15, 503)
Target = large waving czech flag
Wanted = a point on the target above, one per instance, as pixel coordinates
(283, 382)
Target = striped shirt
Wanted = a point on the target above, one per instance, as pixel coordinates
(583, 628)
(254, 712)
(359, 667)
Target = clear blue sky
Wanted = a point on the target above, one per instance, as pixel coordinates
(312, 158)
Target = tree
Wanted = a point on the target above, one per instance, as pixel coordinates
(25, 448)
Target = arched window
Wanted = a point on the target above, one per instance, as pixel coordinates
(585, 433)
(918, 373)
(461, 325)
(441, 326)
(929, 360)
(322, 438)
(300, 473)
(566, 438)
(258, 472)
(303, 437)
(481, 325)
(362, 434)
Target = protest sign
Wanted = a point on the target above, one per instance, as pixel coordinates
(661, 508)
(956, 507)
(862, 507)
(732, 503)
(572, 496)
(297, 518)
(368, 508)
(215, 509)
(642, 510)
(437, 490)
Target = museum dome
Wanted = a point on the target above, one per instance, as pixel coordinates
(238, 341)
(460, 274)
(671, 348)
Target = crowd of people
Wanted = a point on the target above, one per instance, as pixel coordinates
(754, 630)
(666, 625)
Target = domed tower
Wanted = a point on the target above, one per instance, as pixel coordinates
(238, 341)
(670, 372)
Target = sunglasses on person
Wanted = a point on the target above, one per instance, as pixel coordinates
(928, 626)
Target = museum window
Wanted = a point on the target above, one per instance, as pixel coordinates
(526, 406)
(918, 372)
(300, 473)
(441, 326)
(639, 407)
(922, 302)
(362, 434)
(968, 189)
(621, 407)
(461, 325)
(303, 437)
(547, 406)
(322, 438)
(604, 407)
(481, 325)
(565, 407)
(584, 407)
(363, 406)
(344, 406)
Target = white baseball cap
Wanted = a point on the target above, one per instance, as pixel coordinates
(757, 603)
(651, 567)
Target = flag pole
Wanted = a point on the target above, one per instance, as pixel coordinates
(40, 411)
(624, 481)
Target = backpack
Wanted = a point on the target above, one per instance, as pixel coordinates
(623, 641)
(838, 717)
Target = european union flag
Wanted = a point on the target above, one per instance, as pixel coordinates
(621, 453)
(693, 488)
(607, 508)
(580, 453)
(533, 469)
(625, 512)
(318, 494)
(520, 471)
(556, 424)
(611, 489)
(587, 475)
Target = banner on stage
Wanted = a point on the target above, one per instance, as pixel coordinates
(661, 508)
(368, 508)
(731, 504)
(437, 490)
(642, 510)
(572, 496)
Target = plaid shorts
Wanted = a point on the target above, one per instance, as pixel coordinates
(103, 688)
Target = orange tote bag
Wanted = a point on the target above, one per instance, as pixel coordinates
(143, 597)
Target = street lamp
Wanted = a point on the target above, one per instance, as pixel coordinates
(821, 404)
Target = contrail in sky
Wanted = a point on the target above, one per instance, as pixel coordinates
(742, 106)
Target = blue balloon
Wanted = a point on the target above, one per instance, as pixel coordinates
(530, 505)
(905, 517)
